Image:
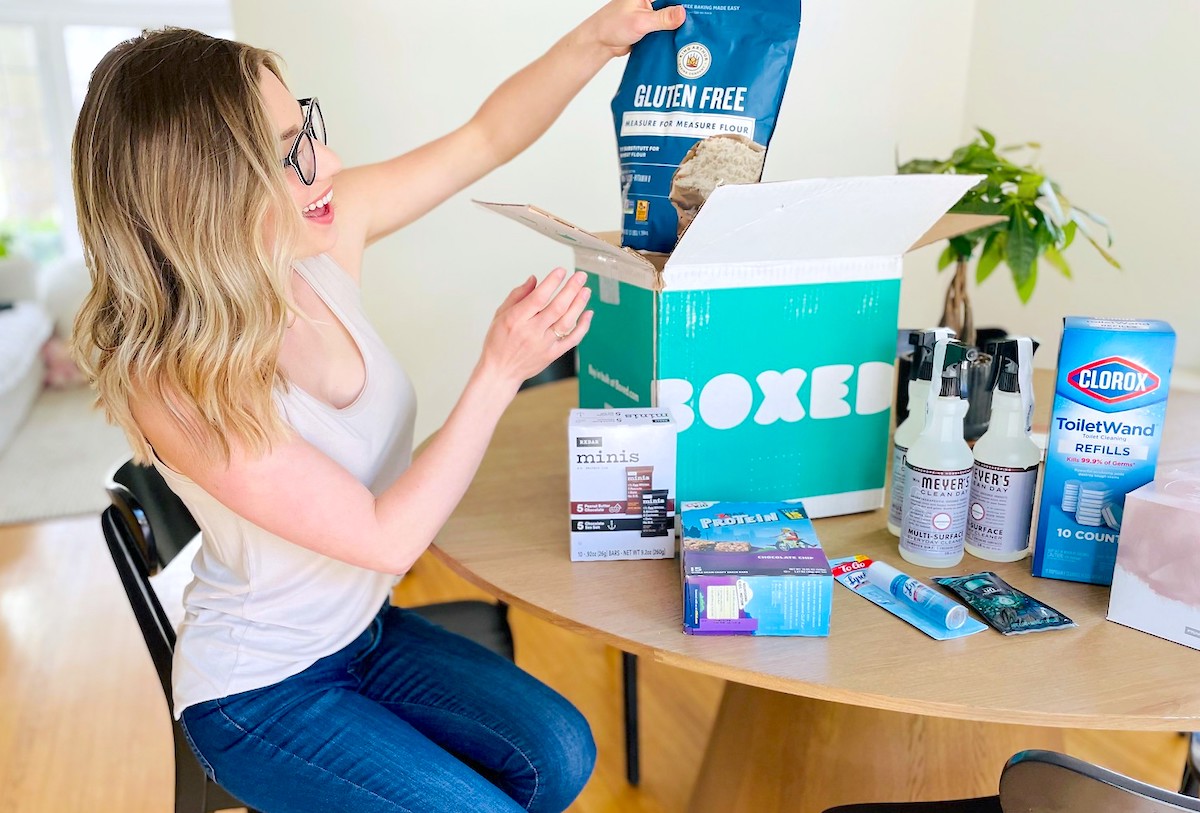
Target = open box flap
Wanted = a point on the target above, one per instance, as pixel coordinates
(817, 219)
(634, 267)
(952, 224)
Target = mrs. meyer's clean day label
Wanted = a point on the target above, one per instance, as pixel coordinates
(935, 520)
(1110, 400)
(1001, 507)
(1006, 460)
(938, 468)
(920, 371)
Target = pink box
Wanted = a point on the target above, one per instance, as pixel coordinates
(1156, 583)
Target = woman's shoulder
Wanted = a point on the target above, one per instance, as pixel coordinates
(326, 271)
(346, 259)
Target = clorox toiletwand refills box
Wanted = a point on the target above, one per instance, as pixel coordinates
(769, 333)
(1109, 403)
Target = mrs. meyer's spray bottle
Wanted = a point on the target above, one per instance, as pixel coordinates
(919, 374)
(1006, 461)
(938, 468)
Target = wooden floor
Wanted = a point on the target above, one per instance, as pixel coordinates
(83, 723)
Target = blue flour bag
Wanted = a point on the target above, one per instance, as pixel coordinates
(696, 108)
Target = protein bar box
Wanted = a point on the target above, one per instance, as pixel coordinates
(769, 333)
(753, 569)
(1110, 399)
(622, 484)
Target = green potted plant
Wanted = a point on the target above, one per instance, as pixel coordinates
(1041, 223)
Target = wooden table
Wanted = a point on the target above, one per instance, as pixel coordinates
(877, 711)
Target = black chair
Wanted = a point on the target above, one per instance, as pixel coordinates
(1191, 768)
(146, 526)
(1048, 782)
(566, 366)
(136, 556)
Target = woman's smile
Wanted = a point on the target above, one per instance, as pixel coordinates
(320, 211)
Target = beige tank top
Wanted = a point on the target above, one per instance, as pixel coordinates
(259, 608)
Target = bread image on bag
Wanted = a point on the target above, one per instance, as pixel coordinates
(710, 162)
(696, 108)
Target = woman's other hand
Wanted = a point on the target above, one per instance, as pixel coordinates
(621, 23)
(534, 326)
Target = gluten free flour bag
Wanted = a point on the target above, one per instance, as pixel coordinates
(696, 109)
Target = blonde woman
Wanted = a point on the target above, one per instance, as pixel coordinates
(224, 331)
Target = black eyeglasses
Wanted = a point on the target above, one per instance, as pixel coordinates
(303, 155)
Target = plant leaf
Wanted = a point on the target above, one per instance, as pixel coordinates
(964, 244)
(948, 257)
(1103, 252)
(988, 138)
(921, 166)
(970, 205)
(1095, 218)
(1068, 235)
(1048, 233)
(1098, 220)
(1025, 286)
(1057, 260)
(1022, 251)
(993, 251)
(1049, 198)
(1029, 185)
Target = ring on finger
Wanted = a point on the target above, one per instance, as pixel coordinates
(558, 334)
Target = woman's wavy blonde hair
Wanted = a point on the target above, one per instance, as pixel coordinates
(176, 172)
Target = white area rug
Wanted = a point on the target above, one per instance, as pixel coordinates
(56, 464)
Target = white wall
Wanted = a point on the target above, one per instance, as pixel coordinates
(1109, 89)
(870, 75)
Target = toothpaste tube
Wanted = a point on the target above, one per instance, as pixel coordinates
(851, 572)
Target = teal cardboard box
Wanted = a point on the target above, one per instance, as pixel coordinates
(769, 333)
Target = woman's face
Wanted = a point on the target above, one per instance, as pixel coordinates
(319, 232)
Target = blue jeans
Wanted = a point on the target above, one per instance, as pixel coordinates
(408, 717)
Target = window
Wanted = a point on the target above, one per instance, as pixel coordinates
(27, 189)
(47, 52)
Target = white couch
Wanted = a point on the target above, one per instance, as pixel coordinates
(44, 300)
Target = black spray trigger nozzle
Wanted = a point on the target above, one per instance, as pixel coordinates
(951, 373)
(923, 343)
(1006, 365)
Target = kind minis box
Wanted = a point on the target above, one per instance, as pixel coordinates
(769, 333)
(1156, 583)
(622, 484)
(753, 569)
(1110, 399)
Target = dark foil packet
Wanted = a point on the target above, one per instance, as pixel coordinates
(1003, 606)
